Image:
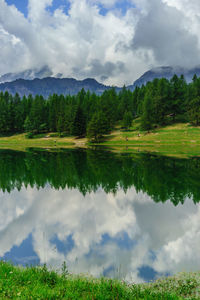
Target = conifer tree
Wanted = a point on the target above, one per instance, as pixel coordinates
(147, 118)
(194, 111)
(127, 119)
(98, 126)
(79, 124)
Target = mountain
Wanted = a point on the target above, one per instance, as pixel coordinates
(166, 72)
(42, 82)
(50, 85)
(27, 74)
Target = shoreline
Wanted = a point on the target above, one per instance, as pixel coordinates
(174, 140)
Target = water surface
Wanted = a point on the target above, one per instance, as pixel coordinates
(128, 216)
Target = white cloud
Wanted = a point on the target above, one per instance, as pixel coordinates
(84, 43)
(105, 3)
(169, 33)
(149, 227)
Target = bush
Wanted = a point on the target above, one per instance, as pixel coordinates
(29, 135)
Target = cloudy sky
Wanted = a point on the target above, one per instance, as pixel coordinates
(106, 231)
(112, 41)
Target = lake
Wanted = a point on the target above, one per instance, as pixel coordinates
(129, 216)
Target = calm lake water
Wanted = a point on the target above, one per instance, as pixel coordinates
(129, 216)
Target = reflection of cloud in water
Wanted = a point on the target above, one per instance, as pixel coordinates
(117, 235)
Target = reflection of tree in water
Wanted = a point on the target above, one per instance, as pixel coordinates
(162, 178)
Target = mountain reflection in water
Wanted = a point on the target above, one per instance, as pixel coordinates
(117, 215)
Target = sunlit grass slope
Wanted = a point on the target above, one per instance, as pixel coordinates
(180, 139)
(182, 133)
(174, 139)
(19, 141)
(39, 283)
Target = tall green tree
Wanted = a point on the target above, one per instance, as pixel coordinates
(178, 95)
(37, 114)
(98, 126)
(79, 124)
(147, 119)
(127, 119)
(194, 111)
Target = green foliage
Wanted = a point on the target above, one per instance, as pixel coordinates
(178, 95)
(79, 124)
(147, 119)
(28, 125)
(127, 119)
(39, 283)
(65, 271)
(194, 111)
(86, 170)
(29, 135)
(59, 126)
(98, 126)
(156, 103)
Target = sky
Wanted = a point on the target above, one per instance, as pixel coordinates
(53, 216)
(112, 41)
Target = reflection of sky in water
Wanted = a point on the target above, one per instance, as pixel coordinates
(124, 235)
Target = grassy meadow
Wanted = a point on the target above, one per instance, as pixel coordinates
(20, 142)
(40, 283)
(181, 139)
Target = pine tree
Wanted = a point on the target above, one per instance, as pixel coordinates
(194, 111)
(161, 101)
(28, 126)
(59, 126)
(97, 127)
(147, 118)
(37, 114)
(127, 119)
(79, 124)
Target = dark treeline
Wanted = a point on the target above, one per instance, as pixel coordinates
(157, 103)
(74, 115)
(162, 178)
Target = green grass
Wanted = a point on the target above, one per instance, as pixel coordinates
(20, 142)
(180, 139)
(39, 283)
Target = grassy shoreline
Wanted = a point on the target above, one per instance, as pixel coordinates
(39, 283)
(175, 140)
(179, 139)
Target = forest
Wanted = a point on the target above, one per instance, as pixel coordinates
(162, 178)
(157, 103)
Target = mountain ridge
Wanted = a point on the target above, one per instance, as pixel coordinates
(28, 74)
(166, 72)
(51, 85)
(46, 85)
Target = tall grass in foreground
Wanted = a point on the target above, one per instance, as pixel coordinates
(39, 283)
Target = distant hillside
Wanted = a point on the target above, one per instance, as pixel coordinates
(50, 85)
(166, 72)
(41, 81)
(27, 74)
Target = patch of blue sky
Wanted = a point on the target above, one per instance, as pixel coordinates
(123, 241)
(23, 254)
(108, 271)
(63, 247)
(63, 4)
(122, 6)
(21, 5)
(147, 273)
(103, 10)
